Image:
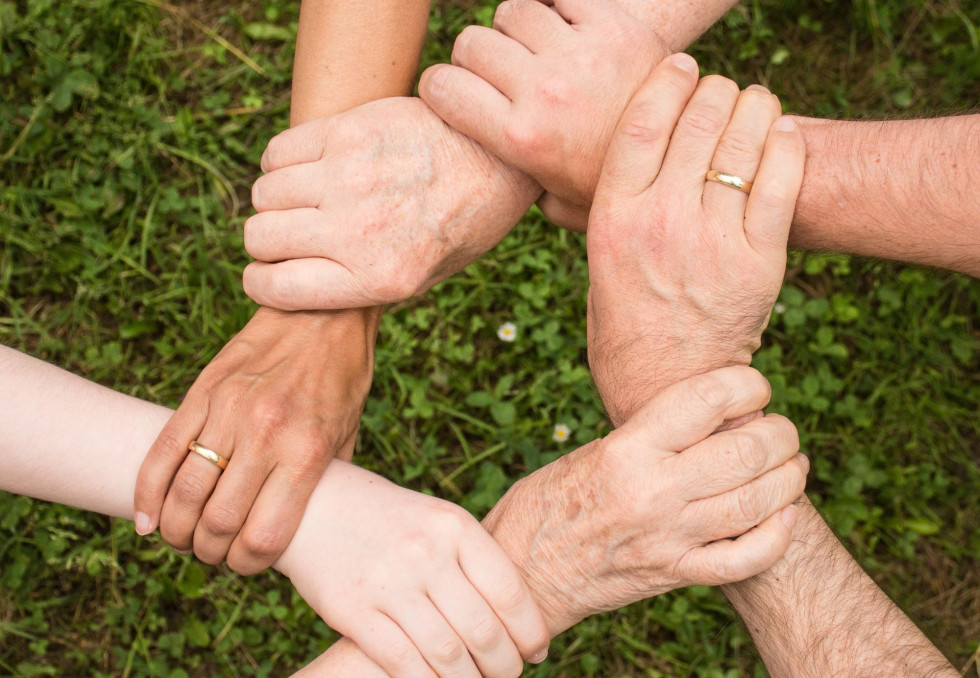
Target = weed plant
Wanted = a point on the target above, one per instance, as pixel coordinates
(130, 132)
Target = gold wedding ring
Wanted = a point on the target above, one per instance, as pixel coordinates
(210, 455)
(735, 182)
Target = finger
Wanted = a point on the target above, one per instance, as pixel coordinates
(727, 561)
(290, 187)
(273, 519)
(439, 643)
(698, 132)
(771, 204)
(637, 150)
(278, 235)
(301, 144)
(740, 149)
(193, 485)
(689, 411)
(563, 213)
(385, 643)
(165, 456)
(532, 24)
(482, 633)
(308, 285)
(500, 583)
(469, 104)
(228, 506)
(730, 459)
(491, 55)
(735, 512)
(580, 11)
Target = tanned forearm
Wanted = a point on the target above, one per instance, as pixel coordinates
(817, 613)
(350, 53)
(903, 189)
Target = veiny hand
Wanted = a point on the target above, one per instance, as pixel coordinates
(654, 505)
(415, 581)
(543, 90)
(279, 401)
(372, 206)
(684, 272)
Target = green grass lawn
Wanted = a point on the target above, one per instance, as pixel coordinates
(130, 132)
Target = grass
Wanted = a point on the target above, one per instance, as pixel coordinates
(129, 135)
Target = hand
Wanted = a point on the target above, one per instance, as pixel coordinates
(374, 206)
(653, 506)
(543, 91)
(279, 401)
(684, 272)
(415, 581)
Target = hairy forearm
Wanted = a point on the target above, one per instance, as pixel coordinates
(903, 189)
(817, 613)
(678, 22)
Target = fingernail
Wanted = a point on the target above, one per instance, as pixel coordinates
(685, 62)
(539, 656)
(785, 124)
(759, 88)
(788, 515)
(182, 553)
(143, 524)
(805, 461)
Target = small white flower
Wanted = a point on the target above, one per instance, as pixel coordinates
(507, 332)
(561, 433)
(779, 308)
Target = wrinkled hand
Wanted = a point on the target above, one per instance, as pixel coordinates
(684, 272)
(543, 90)
(372, 206)
(654, 505)
(279, 401)
(415, 581)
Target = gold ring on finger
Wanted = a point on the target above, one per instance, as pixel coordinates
(208, 454)
(743, 185)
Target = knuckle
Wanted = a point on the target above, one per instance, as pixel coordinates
(748, 452)
(449, 651)
(711, 391)
(739, 145)
(750, 505)
(222, 521)
(403, 659)
(267, 417)
(510, 595)
(703, 120)
(486, 634)
(191, 488)
(170, 444)
(263, 542)
(639, 124)
(521, 137)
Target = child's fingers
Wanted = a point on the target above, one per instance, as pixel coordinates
(770, 208)
(387, 645)
(500, 583)
(482, 633)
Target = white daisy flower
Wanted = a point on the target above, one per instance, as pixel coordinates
(561, 433)
(779, 308)
(507, 332)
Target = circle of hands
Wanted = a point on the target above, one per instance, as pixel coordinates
(579, 107)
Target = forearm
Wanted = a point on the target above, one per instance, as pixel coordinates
(351, 53)
(903, 189)
(678, 22)
(817, 613)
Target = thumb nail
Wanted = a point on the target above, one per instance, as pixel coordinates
(143, 524)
